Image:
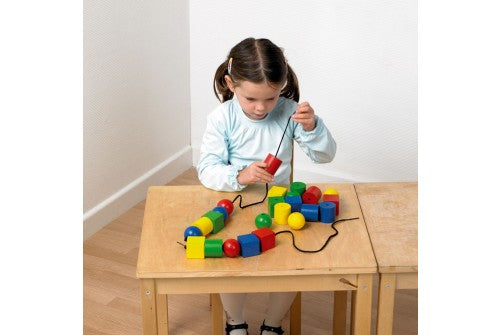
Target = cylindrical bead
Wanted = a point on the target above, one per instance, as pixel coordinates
(273, 164)
(205, 224)
(310, 212)
(327, 212)
(213, 248)
(311, 195)
(298, 187)
(281, 212)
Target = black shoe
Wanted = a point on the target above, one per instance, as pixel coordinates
(229, 327)
(277, 330)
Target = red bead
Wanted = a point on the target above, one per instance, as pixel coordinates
(311, 195)
(227, 204)
(231, 248)
(266, 237)
(273, 163)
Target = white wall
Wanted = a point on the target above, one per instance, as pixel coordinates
(136, 129)
(356, 61)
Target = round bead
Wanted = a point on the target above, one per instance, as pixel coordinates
(231, 247)
(330, 191)
(263, 220)
(192, 231)
(296, 220)
(281, 212)
(205, 224)
(227, 204)
(222, 210)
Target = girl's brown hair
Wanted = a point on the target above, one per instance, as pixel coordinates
(257, 61)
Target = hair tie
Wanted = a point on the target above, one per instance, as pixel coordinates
(229, 64)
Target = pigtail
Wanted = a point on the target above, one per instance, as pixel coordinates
(291, 90)
(221, 90)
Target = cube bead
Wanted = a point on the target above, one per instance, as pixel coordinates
(195, 247)
(222, 210)
(250, 245)
(217, 220)
(335, 198)
(295, 201)
(266, 237)
(277, 191)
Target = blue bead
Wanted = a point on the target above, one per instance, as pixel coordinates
(192, 231)
(250, 245)
(295, 201)
(327, 212)
(310, 212)
(222, 210)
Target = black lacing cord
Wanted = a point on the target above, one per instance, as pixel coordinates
(326, 242)
(282, 137)
(255, 203)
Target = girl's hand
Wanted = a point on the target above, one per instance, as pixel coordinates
(255, 173)
(305, 116)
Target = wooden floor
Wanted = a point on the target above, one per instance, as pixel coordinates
(111, 302)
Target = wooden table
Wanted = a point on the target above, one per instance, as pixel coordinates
(346, 264)
(390, 212)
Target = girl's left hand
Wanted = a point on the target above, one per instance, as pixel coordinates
(305, 116)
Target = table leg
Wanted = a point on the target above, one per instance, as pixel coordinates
(162, 313)
(296, 315)
(217, 327)
(339, 312)
(361, 306)
(148, 298)
(385, 309)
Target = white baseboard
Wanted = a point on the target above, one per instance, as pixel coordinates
(99, 216)
(321, 175)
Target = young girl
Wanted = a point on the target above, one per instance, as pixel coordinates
(259, 92)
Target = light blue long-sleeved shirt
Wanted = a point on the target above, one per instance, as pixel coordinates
(232, 141)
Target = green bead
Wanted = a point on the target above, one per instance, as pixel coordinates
(298, 186)
(217, 219)
(263, 220)
(213, 248)
(292, 193)
(271, 201)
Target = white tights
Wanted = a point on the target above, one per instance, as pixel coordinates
(279, 304)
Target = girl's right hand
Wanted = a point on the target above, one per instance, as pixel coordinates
(255, 173)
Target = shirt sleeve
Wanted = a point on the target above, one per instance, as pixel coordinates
(214, 170)
(318, 144)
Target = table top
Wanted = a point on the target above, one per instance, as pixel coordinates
(390, 211)
(170, 209)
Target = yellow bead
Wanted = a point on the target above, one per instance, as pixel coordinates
(277, 191)
(281, 212)
(195, 247)
(205, 224)
(296, 220)
(330, 191)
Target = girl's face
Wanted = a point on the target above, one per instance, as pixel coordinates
(256, 100)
